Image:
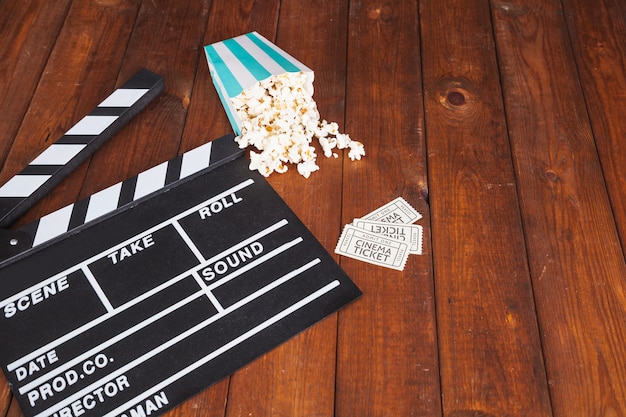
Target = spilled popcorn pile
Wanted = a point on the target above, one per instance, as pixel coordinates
(280, 118)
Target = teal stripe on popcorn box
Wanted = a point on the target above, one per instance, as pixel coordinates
(238, 63)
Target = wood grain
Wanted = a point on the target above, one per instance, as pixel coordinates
(501, 121)
(303, 369)
(79, 74)
(489, 347)
(29, 30)
(387, 362)
(5, 396)
(14, 410)
(206, 120)
(165, 40)
(575, 256)
(598, 31)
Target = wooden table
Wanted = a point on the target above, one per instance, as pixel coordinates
(502, 122)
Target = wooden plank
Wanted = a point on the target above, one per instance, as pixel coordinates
(14, 410)
(208, 403)
(387, 357)
(575, 256)
(70, 86)
(167, 40)
(80, 73)
(598, 30)
(298, 378)
(29, 31)
(5, 396)
(206, 120)
(489, 345)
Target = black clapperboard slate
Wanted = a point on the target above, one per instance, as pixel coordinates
(134, 312)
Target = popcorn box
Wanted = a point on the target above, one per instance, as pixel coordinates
(238, 63)
(268, 97)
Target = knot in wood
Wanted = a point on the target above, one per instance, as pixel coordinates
(457, 94)
(551, 175)
(456, 98)
(385, 14)
(512, 9)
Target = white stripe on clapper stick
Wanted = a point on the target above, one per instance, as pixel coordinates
(196, 160)
(124, 97)
(23, 185)
(53, 224)
(150, 180)
(103, 202)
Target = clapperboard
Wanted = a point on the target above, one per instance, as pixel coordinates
(140, 296)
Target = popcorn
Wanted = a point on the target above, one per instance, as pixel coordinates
(268, 97)
(280, 118)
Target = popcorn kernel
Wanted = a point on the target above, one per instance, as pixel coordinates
(280, 118)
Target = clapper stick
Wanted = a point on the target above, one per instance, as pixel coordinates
(23, 190)
(121, 195)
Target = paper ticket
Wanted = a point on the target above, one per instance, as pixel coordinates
(407, 233)
(368, 247)
(396, 211)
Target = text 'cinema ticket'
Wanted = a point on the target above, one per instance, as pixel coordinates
(407, 233)
(384, 237)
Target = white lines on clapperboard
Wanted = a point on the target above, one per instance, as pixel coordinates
(225, 348)
(85, 263)
(183, 234)
(200, 326)
(79, 266)
(88, 326)
(251, 265)
(93, 281)
(128, 332)
(271, 254)
(205, 290)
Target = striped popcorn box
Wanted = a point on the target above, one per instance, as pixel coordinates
(268, 97)
(239, 63)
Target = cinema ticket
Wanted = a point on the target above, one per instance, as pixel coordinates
(407, 233)
(369, 247)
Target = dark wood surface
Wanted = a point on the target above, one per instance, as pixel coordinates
(502, 122)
